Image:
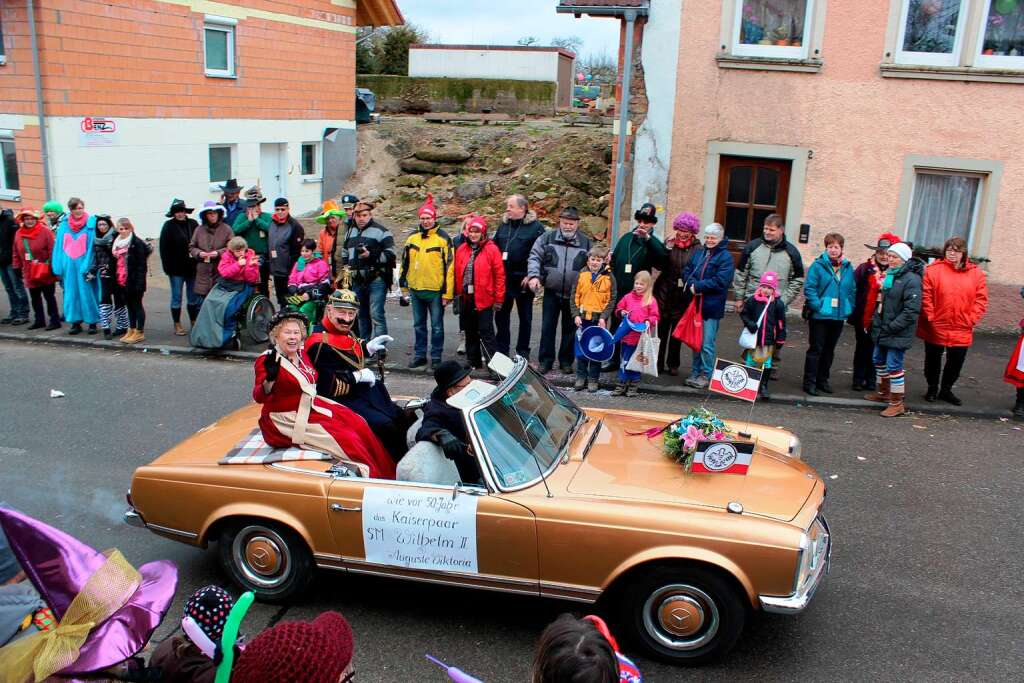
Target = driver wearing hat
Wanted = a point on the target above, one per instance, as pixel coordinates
(340, 361)
(443, 424)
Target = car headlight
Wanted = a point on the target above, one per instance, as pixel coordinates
(813, 551)
(796, 448)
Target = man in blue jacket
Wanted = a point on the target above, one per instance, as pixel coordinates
(708, 276)
(831, 291)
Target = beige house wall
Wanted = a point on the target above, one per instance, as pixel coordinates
(860, 133)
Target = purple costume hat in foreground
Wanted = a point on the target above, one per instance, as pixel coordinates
(59, 565)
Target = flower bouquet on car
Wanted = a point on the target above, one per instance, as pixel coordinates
(682, 436)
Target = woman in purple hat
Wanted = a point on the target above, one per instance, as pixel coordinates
(669, 290)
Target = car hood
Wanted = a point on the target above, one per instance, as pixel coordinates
(622, 465)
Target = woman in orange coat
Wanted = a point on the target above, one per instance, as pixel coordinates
(953, 300)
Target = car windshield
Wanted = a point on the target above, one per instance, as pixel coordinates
(525, 431)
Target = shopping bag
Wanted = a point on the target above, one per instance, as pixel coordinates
(748, 339)
(690, 329)
(645, 359)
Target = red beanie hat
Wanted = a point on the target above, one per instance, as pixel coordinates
(428, 210)
(298, 652)
(476, 221)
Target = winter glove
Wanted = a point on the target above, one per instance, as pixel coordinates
(451, 446)
(403, 301)
(293, 289)
(272, 365)
(295, 300)
(366, 375)
(378, 344)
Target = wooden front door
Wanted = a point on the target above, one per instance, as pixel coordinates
(749, 190)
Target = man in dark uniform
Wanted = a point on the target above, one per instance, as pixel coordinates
(340, 361)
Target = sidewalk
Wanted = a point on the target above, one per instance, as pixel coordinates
(981, 386)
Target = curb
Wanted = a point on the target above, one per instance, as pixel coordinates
(559, 380)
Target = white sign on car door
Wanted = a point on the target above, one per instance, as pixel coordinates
(419, 529)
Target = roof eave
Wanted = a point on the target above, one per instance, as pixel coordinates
(597, 11)
(378, 13)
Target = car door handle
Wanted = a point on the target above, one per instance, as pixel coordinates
(335, 507)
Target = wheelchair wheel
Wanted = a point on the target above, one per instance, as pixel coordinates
(256, 326)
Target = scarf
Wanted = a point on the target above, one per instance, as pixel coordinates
(300, 265)
(280, 221)
(30, 233)
(467, 274)
(79, 223)
(340, 341)
(760, 297)
(683, 243)
(120, 251)
(890, 275)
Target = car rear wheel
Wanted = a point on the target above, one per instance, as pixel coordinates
(266, 558)
(684, 615)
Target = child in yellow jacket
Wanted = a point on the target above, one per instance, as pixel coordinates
(593, 299)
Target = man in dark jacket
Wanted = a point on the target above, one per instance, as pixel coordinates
(893, 326)
(230, 200)
(443, 424)
(514, 238)
(13, 282)
(707, 275)
(367, 253)
(284, 240)
(555, 262)
(178, 264)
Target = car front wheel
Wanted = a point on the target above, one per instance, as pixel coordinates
(266, 558)
(684, 615)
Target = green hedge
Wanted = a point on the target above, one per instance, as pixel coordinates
(460, 90)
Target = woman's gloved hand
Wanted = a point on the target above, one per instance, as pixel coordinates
(272, 365)
(365, 376)
(379, 343)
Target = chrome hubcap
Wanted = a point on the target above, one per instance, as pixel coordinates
(681, 617)
(262, 556)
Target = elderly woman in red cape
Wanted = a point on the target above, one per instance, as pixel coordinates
(293, 415)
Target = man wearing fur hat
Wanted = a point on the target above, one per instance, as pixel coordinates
(340, 358)
(254, 226)
(514, 239)
(427, 277)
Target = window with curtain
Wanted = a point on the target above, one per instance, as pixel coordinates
(1001, 43)
(771, 27)
(944, 205)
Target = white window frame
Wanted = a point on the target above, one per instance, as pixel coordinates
(224, 25)
(776, 51)
(979, 194)
(979, 242)
(8, 193)
(931, 58)
(317, 147)
(992, 61)
(231, 162)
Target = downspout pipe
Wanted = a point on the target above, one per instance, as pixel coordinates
(620, 166)
(40, 110)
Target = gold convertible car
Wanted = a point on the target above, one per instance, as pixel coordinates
(573, 506)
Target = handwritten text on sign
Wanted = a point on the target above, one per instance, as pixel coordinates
(420, 530)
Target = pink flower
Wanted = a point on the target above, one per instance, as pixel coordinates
(691, 437)
(718, 436)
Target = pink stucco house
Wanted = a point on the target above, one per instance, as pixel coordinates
(857, 117)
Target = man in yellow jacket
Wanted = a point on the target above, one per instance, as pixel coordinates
(428, 279)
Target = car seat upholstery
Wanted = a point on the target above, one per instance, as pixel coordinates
(425, 463)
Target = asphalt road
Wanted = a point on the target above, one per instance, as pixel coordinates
(925, 513)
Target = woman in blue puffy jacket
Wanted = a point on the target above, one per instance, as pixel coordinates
(830, 290)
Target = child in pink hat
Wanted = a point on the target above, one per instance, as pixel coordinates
(763, 316)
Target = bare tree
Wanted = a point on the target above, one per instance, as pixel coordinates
(571, 43)
(600, 66)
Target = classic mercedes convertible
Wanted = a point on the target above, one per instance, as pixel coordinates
(575, 504)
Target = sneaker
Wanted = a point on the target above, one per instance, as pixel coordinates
(417, 363)
(701, 382)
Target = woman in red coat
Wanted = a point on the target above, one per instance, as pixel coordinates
(953, 300)
(480, 288)
(293, 415)
(33, 248)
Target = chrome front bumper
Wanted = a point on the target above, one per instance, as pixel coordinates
(798, 601)
(133, 518)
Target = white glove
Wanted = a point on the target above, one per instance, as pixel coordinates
(366, 375)
(378, 343)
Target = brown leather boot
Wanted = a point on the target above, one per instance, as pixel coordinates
(881, 395)
(896, 406)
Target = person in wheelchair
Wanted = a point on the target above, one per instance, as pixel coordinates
(443, 424)
(309, 283)
(239, 271)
